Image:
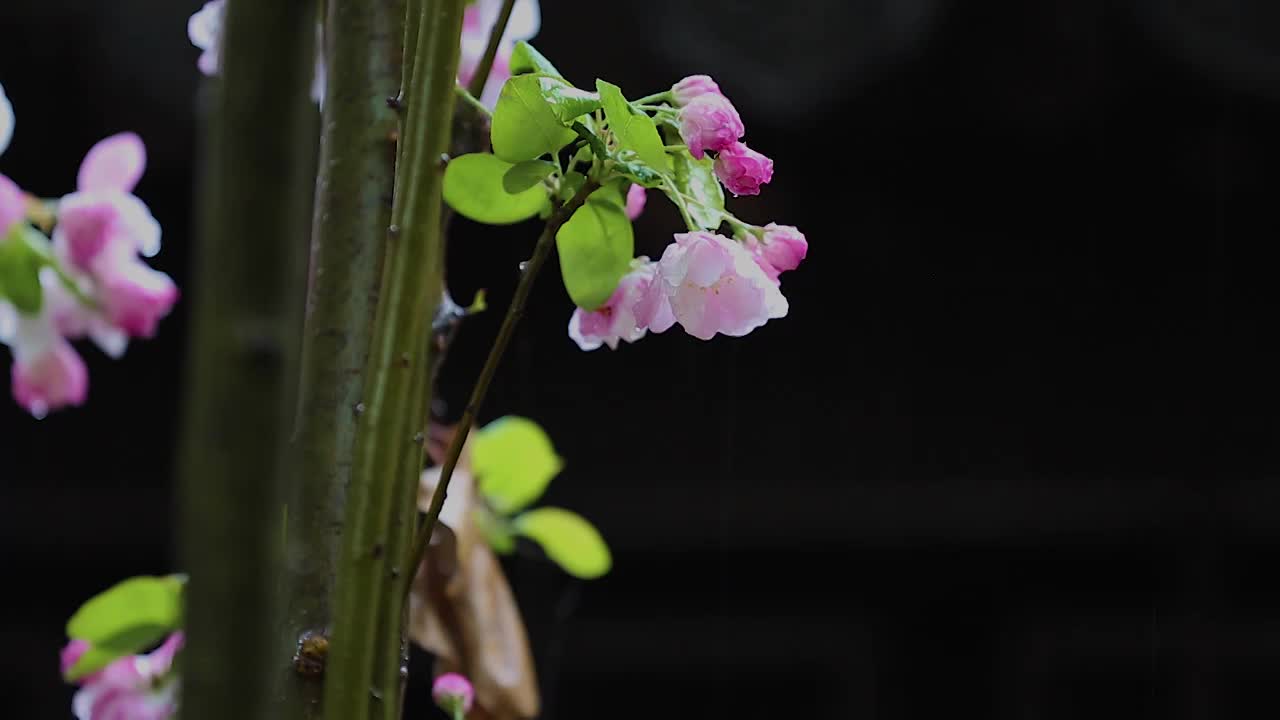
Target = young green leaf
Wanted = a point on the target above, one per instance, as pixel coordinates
(596, 246)
(20, 263)
(568, 539)
(593, 141)
(634, 130)
(513, 462)
(696, 180)
(525, 175)
(524, 125)
(566, 101)
(627, 164)
(526, 59)
(496, 531)
(125, 619)
(474, 185)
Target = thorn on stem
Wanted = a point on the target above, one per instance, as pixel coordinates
(359, 409)
(396, 102)
(444, 159)
(394, 231)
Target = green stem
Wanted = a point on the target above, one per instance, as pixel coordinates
(471, 100)
(247, 302)
(541, 251)
(411, 285)
(664, 96)
(680, 201)
(481, 78)
(364, 59)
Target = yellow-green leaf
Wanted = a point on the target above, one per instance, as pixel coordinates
(513, 461)
(568, 539)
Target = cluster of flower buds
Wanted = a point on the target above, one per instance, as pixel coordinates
(707, 283)
(204, 29)
(88, 282)
(135, 687)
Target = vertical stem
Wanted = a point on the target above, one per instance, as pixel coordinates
(481, 78)
(541, 251)
(249, 267)
(411, 285)
(353, 209)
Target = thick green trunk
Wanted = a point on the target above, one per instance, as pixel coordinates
(365, 645)
(353, 210)
(241, 375)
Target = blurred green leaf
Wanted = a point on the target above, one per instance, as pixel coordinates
(596, 246)
(513, 462)
(526, 59)
(474, 186)
(527, 174)
(128, 618)
(568, 539)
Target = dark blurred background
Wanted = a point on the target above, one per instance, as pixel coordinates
(1012, 455)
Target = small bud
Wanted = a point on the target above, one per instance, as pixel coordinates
(452, 690)
(743, 170)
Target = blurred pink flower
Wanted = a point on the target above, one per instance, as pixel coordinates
(138, 687)
(636, 197)
(638, 305)
(451, 689)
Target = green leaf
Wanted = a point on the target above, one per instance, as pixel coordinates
(639, 173)
(525, 175)
(125, 619)
(513, 461)
(696, 179)
(20, 262)
(634, 130)
(474, 185)
(596, 246)
(568, 539)
(593, 141)
(566, 101)
(497, 531)
(524, 125)
(570, 184)
(526, 59)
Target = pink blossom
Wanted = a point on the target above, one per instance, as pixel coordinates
(138, 687)
(694, 86)
(47, 372)
(71, 653)
(12, 206)
(715, 286)
(477, 22)
(104, 211)
(784, 246)
(134, 297)
(636, 197)
(451, 689)
(743, 170)
(709, 122)
(204, 29)
(639, 304)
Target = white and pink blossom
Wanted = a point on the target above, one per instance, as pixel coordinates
(137, 687)
(477, 22)
(715, 286)
(693, 87)
(638, 305)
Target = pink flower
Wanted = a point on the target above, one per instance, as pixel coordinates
(103, 211)
(784, 246)
(71, 653)
(204, 29)
(715, 286)
(709, 122)
(477, 22)
(138, 687)
(694, 86)
(636, 198)
(47, 372)
(451, 690)
(743, 170)
(134, 297)
(638, 305)
(12, 206)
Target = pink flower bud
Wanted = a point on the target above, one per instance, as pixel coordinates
(48, 377)
(136, 687)
(452, 689)
(694, 86)
(12, 206)
(71, 653)
(743, 170)
(134, 297)
(204, 29)
(709, 122)
(784, 246)
(635, 201)
(6, 121)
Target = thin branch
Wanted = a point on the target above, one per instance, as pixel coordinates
(541, 251)
(481, 78)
